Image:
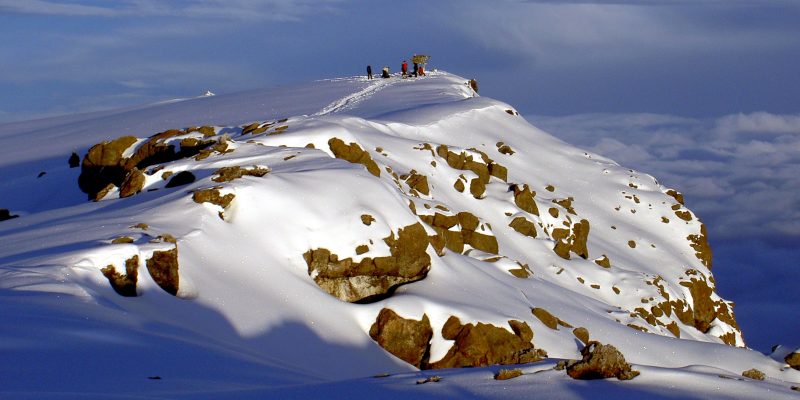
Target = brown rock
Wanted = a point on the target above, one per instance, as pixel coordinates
(601, 362)
(163, 268)
(484, 344)
(754, 374)
(678, 196)
(418, 182)
(133, 183)
(372, 278)
(124, 285)
(212, 196)
(793, 359)
(523, 226)
(582, 334)
(603, 261)
(406, 339)
(701, 247)
(367, 219)
(122, 239)
(227, 174)
(523, 198)
(104, 164)
(353, 153)
(549, 320)
(505, 374)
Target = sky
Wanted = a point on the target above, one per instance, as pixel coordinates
(702, 94)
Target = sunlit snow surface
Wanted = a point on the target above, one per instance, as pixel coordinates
(249, 322)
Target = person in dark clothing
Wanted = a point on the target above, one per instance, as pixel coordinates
(404, 68)
(416, 69)
(369, 71)
(385, 73)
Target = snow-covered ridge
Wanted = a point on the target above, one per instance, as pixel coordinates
(288, 199)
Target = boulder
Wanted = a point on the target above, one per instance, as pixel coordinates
(601, 361)
(482, 344)
(407, 339)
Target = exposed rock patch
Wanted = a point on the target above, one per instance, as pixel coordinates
(793, 359)
(163, 268)
(227, 174)
(505, 374)
(701, 247)
(548, 319)
(124, 285)
(355, 154)
(601, 361)
(213, 196)
(456, 231)
(523, 198)
(371, 278)
(407, 339)
(754, 374)
(485, 344)
(133, 183)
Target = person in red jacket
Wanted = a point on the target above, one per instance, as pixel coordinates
(404, 68)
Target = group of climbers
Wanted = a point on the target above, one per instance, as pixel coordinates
(418, 70)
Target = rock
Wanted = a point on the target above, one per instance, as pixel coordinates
(406, 339)
(793, 359)
(367, 219)
(484, 344)
(104, 165)
(524, 226)
(601, 361)
(133, 183)
(549, 320)
(122, 240)
(163, 268)
(754, 374)
(582, 334)
(353, 153)
(505, 374)
(212, 196)
(74, 160)
(227, 174)
(5, 214)
(372, 278)
(523, 198)
(180, 179)
(701, 247)
(124, 285)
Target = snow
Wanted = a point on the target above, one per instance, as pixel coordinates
(249, 321)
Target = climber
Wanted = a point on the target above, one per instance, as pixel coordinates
(369, 71)
(404, 68)
(385, 73)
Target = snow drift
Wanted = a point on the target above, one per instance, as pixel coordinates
(284, 241)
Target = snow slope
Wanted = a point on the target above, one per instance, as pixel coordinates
(250, 320)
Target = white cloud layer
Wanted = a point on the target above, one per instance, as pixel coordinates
(740, 173)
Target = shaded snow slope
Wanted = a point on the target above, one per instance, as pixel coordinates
(231, 297)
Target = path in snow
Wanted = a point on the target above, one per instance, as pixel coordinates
(357, 97)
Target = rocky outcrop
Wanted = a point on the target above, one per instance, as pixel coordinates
(456, 231)
(133, 183)
(601, 361)
(227, 174)
(793, 359)
(372, 278)
(407, 339)
(104, 163)
(124, 285)
(700, 245)
(572, 241)
(163, 268)
(353, 153)
(482, 344)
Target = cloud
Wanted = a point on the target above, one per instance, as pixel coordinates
(247, 10)
(554, 34)
(739, 173)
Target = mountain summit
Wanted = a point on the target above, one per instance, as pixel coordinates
(297, 241)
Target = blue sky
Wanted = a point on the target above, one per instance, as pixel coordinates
(702, 94)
